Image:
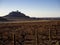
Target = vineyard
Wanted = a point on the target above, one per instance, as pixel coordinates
(30, 33)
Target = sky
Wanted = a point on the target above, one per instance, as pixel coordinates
(32, 8)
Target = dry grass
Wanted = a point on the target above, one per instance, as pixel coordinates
(30, 32)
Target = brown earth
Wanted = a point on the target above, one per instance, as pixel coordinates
(30, 33)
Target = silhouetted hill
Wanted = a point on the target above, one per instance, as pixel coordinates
(16, 15)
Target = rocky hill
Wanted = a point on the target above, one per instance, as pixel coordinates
(16, 15)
